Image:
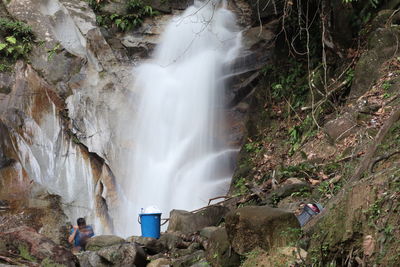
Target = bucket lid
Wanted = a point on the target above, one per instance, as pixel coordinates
(152, 209)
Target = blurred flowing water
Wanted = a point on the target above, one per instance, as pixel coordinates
(180, 158)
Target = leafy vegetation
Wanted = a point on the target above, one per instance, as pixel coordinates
(289, 83)
(240, 187)
(137, 11)
(52, 52)
(253, 147)
(16, 41)
(24, 253)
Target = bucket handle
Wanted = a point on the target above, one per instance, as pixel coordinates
(165, 220)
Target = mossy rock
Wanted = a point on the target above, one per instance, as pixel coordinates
(283, 256)
(260, 226)
(219, 251)
(358, 212)
(382, 45)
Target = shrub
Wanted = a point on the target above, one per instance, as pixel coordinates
(16, 40)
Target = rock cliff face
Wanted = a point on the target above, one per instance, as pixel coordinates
(59, 113)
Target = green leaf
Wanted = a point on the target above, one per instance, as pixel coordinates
(10, 50)
(11, 39)
(113, 16)
(118, 22)
(2, 46)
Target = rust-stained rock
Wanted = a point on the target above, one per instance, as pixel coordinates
(33, 143)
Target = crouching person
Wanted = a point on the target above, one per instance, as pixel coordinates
(79, 235)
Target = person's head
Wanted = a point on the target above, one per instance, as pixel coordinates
(81, 222)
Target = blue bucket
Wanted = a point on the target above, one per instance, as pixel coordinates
(150, 224)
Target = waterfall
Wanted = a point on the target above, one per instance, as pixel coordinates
(180, 158)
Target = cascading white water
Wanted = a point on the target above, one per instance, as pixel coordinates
(180, 159)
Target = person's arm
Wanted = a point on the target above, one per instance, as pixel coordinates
(71, 238)
(91, 234)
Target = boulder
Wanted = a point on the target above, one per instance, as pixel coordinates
(287, 190)
(98, 242)
(189, 222)
(341, 127)
(25, 240)
(151, 245)
(166, 242)
(143, 241)
(180, 252)
(171, 241)
(91, 259)
(219, 251)
(259, 226)
(382, 46)
(127, 254)
(208, 231)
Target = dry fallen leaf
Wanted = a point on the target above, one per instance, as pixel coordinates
(323, 176)
(314, 182)
(368, 245)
